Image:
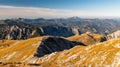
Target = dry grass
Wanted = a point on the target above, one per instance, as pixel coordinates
(87, 39)
(100, 55)
(106, 54)
(19, 50)
(6, 43)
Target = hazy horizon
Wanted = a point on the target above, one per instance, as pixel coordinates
(59, 8)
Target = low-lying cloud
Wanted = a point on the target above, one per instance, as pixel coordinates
(35, 12)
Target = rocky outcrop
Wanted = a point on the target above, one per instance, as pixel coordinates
(114, 35)
(15, 32)
(55, 44)
(57, 31)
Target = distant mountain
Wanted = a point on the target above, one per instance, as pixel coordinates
(21, 28)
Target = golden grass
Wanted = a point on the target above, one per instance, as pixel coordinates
(100, 55)
(87, 39)
(6, 43)
(19, 50)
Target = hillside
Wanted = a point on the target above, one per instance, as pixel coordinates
(20, 52)
(105, 54)
(23, 52)
(55, 44)
(88, 38)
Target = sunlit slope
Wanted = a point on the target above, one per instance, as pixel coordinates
(106, 54)
(6, 43)
(19, 51)
(87, 38)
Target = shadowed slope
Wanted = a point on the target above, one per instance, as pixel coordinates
(54, 44)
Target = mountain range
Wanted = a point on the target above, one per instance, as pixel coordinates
(21, 28)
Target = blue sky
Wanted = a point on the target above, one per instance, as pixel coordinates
(63, 4)
(59, 8)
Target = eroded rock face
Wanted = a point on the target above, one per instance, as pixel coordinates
(54, 44)
(57, 31)
(114, 35)
(21, 28)
(15, 32)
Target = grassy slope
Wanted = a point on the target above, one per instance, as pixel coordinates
(6, 43)
(19, 50)
(87, 39)
(100, 55)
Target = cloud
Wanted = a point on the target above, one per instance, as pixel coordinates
(34, 12)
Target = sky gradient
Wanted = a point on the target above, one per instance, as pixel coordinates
(59, 8)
